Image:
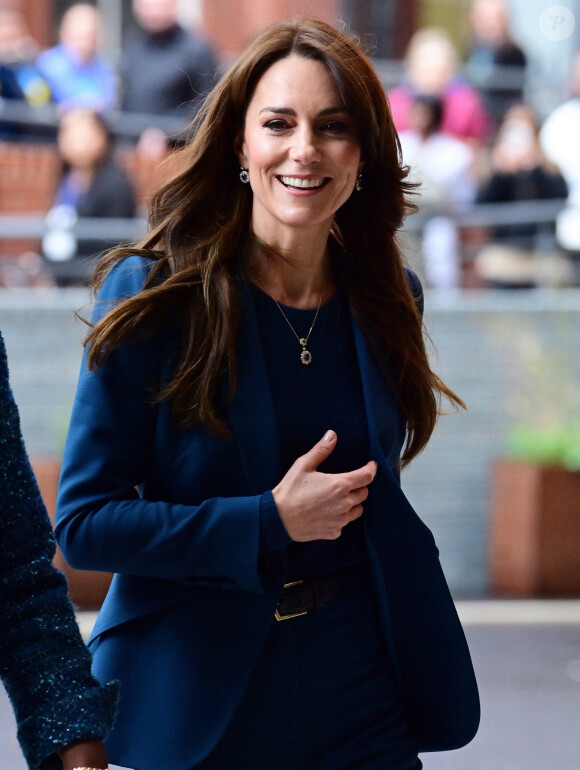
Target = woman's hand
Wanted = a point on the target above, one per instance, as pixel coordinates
(316, 506)
(84, 754)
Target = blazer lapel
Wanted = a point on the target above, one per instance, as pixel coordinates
(386, 434)
(386, 426)
(251, 412)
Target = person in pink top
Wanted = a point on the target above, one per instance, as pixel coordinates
(432, 70)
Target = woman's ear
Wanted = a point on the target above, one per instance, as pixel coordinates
(239, 149)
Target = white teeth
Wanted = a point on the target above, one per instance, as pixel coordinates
(293, 181)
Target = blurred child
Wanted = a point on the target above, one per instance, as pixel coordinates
(92, 184)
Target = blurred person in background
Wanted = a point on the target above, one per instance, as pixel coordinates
(559, 138)
(10, 91)
(255, 377)
(491, 50)
(77, 75)
(432, 69)
(91, 184)
(18, 52)
(444, 167)
(62, 712)
(521, 255)
(20, 78)
(165, 69)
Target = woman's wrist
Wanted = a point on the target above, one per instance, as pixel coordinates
(84, 755)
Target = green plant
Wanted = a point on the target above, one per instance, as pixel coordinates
(557, 445)
(544, 398)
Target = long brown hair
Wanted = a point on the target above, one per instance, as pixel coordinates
(200, 228)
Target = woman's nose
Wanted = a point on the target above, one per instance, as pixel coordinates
(305, 148)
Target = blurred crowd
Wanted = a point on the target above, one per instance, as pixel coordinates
(164, 69)
(470, 138)
(152, 94)
(466, 131)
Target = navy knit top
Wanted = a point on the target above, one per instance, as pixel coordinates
(44, 663)
(308, 401)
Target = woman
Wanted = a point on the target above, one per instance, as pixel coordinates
(61, 711)
(92, 184)
(521, 255)
(255, 372)
(432, 69)
(444, 165)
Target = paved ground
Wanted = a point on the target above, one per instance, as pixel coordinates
(529, 678)
(527, 658)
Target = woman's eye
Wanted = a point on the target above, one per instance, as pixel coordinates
(276, 125)
(336, 127)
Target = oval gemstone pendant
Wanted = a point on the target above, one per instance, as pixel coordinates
(306, 357)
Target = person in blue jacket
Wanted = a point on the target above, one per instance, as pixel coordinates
(76, 73)
(62, 712)
(255, 376)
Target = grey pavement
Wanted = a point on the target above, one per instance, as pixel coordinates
(527, 659)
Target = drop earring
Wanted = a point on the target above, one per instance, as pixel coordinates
(244, 175)
(359, 185)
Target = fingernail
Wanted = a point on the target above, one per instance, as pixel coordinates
(329, 435)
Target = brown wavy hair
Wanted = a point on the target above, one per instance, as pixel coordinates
(200, 230)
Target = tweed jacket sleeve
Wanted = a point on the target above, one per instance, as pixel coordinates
(44, 663)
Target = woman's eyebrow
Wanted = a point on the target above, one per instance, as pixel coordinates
(290, 111)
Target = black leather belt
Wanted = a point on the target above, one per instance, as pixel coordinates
(302, 596)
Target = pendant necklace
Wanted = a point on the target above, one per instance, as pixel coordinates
(305, 355)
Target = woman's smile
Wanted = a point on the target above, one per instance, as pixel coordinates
(303, 183)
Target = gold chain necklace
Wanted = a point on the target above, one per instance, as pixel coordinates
(305, 355)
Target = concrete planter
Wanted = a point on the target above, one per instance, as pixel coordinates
(87, 590)
(534, 545)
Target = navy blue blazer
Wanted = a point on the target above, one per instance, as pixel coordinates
(175, 514)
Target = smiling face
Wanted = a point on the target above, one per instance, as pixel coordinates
(301, 148)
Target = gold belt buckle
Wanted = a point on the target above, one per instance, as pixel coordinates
(277, 614)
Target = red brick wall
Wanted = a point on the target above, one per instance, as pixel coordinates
(29, 178)
(231, 29)
(39, 14)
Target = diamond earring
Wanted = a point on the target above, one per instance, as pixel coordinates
(358, 185)
(244, 175)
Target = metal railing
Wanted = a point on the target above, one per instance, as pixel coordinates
(25, 226)
(20, 226)
(123, 125)
(541, 212)
(111, 232)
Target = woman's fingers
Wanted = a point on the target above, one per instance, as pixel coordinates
(319, 452)
(361, 477)
(316, 506)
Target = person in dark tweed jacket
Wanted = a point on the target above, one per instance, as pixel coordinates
(62, 711)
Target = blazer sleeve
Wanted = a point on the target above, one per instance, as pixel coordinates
(416, 289)
(102, 521)
(44, 663)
